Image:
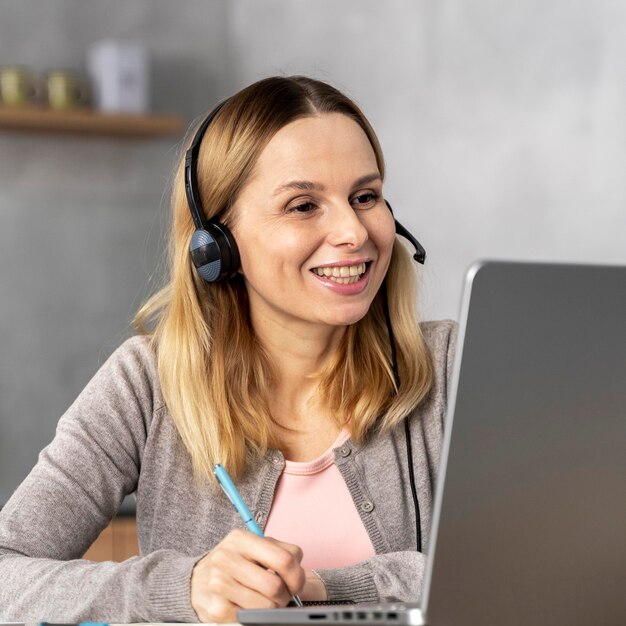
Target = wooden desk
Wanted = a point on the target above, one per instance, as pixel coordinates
(117, 542)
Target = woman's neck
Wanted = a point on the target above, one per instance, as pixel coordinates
(298, 352)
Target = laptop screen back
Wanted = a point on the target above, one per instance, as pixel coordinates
(530, 518)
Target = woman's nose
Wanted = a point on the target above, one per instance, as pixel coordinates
(346, 227)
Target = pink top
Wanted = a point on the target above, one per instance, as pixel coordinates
(313, 509)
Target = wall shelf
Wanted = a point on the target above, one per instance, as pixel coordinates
(36, 119)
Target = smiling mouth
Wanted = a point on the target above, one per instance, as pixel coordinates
(344, 274)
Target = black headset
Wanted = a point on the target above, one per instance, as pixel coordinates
(213, 248)
(215, 256)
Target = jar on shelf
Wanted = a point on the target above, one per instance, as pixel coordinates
(64, 89)
(17, 85)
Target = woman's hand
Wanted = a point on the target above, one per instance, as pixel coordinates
(245, 571)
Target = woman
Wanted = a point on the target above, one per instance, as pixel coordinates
(282, 366)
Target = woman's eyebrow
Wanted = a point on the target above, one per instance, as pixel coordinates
(302, 185)
(368, 178)
(307, 185)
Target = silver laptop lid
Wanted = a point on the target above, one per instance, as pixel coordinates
(529, 525)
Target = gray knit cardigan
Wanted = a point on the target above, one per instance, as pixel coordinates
(118, 438)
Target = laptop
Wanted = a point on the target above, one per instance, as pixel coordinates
(529, 520)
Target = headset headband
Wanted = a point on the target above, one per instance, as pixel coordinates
(191, 175)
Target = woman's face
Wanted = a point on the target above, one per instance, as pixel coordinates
(313, 230)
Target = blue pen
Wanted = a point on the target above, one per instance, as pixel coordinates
(228, 486)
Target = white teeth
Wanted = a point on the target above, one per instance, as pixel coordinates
(345, 274)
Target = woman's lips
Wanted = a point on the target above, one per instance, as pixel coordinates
(344, 279)
(342, 274)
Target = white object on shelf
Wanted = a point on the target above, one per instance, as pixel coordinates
(120, 75)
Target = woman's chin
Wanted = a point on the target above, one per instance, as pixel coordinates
(346, 318)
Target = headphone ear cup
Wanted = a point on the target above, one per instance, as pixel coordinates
(214, 253)
(206, 255)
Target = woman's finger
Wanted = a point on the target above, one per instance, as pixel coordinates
(277, 556)
(247, 582)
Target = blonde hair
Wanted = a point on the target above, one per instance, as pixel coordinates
(215, 376)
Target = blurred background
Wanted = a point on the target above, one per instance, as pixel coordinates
(503, 126)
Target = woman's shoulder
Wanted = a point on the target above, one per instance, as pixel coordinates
(136, 346)
(132, 366)
(136, 352)
(440, 336)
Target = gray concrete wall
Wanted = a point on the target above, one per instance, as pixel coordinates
(80, 218)
(502, 123)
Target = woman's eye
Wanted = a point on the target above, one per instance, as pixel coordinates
(303, 207)
(365, 200)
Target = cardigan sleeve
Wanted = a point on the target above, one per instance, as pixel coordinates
(382, 578)
(71, 494)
